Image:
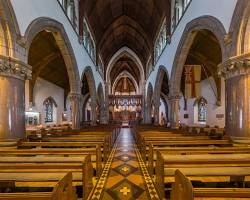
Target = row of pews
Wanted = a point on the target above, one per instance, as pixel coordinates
(187, 165)
(62, 165)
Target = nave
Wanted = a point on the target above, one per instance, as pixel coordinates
(125, 175)
(115, 162)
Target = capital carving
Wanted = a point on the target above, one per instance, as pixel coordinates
(174, 97)
(15, 68)
(235, 66)
(75, 97)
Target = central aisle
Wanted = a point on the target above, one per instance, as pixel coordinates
(125, 175)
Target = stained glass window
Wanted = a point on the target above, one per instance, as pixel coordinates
(202, 110)
(48, 109)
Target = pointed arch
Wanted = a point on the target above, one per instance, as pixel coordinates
(91, 82)
(125, 72)
(162, 71)
(131, 54)
(209, 23)
(239, 18)
(63, 42)
(9, 31)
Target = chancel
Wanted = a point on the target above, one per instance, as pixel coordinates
(124, 99)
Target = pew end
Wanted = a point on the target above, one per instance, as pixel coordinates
(182, 188)
(87, 177)
(160, 175)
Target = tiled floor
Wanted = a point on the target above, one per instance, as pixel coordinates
(125, 176)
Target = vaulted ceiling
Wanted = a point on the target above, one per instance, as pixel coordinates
(131, 23)
(125, 64)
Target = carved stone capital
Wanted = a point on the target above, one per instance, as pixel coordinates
(174, 97)
(235, 66)
(75, 97)
(14, 68)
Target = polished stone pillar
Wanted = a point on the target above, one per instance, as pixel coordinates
(93, 112)
(236, 72)
(13, 74)
(174, 111)
(145, 114)
(103, 114)
(106, 107)
(75, 100)
(156, 113)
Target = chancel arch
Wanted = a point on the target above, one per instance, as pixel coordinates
(122, 75)
(125, 51)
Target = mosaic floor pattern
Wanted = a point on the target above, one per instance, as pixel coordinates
(125, 175)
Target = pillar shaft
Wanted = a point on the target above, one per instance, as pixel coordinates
(174, 112)
(93, 113)
(238, 107)
(156, 114)
(12, 97)
(75, 100)
(236, 72)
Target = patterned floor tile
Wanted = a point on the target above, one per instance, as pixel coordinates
(125, 176)
(125, 190)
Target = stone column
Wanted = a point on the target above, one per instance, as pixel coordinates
(236, 72)
(103, 114)
(75, 100)
(174, 111)
(156, 113)
(106, 107)
(145, 113)
(13, 74)
(93, 112)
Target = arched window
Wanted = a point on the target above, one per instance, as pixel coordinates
(202, 110)
(49, 104)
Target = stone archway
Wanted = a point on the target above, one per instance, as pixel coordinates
(202, 23)
(92, 90)
(63, 42)
(192, 29)
(162, 71)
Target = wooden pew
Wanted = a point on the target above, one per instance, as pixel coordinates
(144, 146)
(183, 189)
(95, 153)
(166, 162)
(152, 156)
(81, 168)
(62, 190)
